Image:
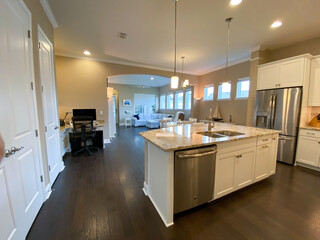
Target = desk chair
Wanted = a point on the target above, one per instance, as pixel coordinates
(83, 129)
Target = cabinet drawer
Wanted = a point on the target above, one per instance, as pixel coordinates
(309, 133)
(264, 140)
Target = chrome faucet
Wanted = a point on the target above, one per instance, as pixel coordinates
(210, 125)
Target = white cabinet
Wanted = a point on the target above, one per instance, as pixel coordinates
(65, 141)
(268, 76)
(314, 96)
(308, 151)
(272, 163)
(262, 159)
(290, 72)
(233, 171)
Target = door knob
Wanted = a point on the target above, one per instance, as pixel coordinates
(56, 127)
(14, 149)
(7, 153)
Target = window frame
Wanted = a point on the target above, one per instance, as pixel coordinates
(165, 102)
(208, 86)
(185, 95)
(167, 107)
(224, 99)
(242, 80)
(175, 100)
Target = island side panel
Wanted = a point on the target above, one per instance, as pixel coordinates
(161, 181)
(145, 183)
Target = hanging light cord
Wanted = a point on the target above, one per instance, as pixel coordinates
(228, 20)
(182, 67)
(175, 36)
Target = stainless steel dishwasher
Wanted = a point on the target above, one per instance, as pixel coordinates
(194, 172)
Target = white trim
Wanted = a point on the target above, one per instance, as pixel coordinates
(145, 188)
(32, 78)
(121, 124)
(105, 141)
(117, 61)
(235, 62)
(306, 55)
(243, 98)
(159, 212)
(49, 13)
(48, 192)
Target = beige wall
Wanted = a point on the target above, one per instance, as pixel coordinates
(311, 46)
(236, 108)
(167, 89)
(127, 92)
(82, 83)
(39, 17)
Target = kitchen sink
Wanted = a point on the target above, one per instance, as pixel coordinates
(220, 134)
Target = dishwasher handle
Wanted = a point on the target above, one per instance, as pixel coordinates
(196, 155)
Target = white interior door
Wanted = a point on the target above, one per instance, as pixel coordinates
(50, 108)
(20, 186)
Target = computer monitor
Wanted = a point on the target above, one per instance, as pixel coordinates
(85, 112)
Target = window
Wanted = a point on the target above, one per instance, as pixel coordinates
(208, 93)
(179, 100)
(144, 103)
(188, 96)
(243, 86)
(162, 102)
(224, 90)
(170, 101)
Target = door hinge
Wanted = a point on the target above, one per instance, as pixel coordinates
(45, 128)
(49, 168)
(41, 178)
(36, 131)
(42, 88)
(31, 85)
(29, 34)
(39, 45)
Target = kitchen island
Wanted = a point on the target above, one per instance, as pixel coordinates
(241, 160)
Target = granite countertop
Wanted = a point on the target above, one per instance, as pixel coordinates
(186, 135)
(310, 128)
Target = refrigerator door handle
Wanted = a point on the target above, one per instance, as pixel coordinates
(273, 110)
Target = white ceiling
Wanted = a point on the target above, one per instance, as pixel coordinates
(140, 80)
(149, 24)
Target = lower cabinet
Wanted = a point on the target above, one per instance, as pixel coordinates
(262, 159)
(309, 151)
(272, 163)
(233, 171)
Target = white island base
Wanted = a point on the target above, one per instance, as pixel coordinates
(239, 163)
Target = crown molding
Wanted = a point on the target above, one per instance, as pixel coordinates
(122, 62)
(49, 13)
(235, 62)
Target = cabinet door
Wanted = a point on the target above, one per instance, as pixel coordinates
(308, 151)
(314, 96)
(273, 155)
(224, 175)
(291, 73)
(268, 77)
(244, 166)
(262, 157)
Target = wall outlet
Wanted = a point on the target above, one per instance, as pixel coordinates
(101, 112)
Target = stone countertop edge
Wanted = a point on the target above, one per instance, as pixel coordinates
(310, 128)
(180, 142)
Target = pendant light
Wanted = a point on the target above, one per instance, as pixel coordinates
(228, 21)
(186, 81)
(175, 78)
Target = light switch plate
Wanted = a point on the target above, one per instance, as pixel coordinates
(101, 112)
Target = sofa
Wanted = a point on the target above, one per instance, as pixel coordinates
(151, 118)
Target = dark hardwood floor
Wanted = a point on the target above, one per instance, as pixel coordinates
(100, 197)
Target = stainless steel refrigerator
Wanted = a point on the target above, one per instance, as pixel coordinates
(279, 109)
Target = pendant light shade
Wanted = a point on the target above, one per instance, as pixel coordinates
(175, 78)
(186, 81)
(174, 82)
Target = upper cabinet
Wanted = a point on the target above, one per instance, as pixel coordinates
(314, 87)
(291, 72)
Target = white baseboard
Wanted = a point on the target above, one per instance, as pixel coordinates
(105, 141)
(145, 188)
(121, 124)
(307, 166)
(48, 191)
(62, 166)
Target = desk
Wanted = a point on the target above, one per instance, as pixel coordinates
(66, 134)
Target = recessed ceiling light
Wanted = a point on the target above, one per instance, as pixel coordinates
(86, 52)
(152, 78)
(235, 2)
(276, 24)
